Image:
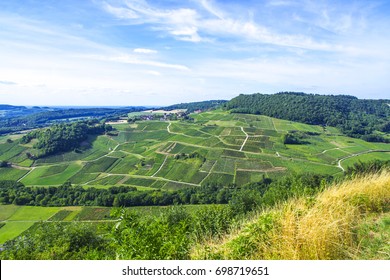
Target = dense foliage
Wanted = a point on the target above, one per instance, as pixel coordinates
(58, 241)
(193, 106)
(64, 137)
(355, 117)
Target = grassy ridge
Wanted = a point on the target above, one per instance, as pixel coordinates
(332, 225)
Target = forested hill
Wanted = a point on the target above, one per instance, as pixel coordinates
(362, 118)
(11, 107)
(193, 106)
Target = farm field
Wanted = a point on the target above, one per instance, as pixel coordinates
(17, 219)
(216, 147)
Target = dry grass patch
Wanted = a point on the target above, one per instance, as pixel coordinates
(322, 227)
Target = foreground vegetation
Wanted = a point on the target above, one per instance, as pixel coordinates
(347, 219)
(338, 223)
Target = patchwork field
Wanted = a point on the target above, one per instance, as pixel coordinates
(216, 147)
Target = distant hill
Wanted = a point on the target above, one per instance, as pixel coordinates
(193, 106)
(361, 118)
(34, 118)
(11, 107)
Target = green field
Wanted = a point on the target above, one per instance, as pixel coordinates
(148, 154)
(17, 219)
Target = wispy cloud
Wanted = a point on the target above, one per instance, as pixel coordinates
(129, 59)
(145, 51)
(7, 83)
(190, 24)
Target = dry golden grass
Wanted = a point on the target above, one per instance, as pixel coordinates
(323, 227)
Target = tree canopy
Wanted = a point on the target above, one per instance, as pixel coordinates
(355, 117)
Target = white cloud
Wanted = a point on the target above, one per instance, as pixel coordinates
(120, 12)
(188, 24)
(154, 73)
(145, 51)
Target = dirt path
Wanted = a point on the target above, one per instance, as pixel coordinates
(25, 175)
(160, 167)
(358, 154)
(169, 131)
(246, 139)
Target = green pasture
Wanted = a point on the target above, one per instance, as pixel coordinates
(7, 211)
(11, 173)
(51, 175)
(33, 213)
(13, 229)
(365, 157)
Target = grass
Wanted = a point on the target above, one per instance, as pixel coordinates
(51, 175)
(143, 182)
(349, 220)
(59, 216)
(7, 211)
(93, 214)
(11, 173)
(13, 229)
(33, 213)
(374, 234)
(109, 180)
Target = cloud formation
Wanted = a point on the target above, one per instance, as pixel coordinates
(134, 51)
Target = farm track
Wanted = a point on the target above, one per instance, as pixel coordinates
(246, 139)
(339, 148)
(25, 175)
(358, 154)
(160, 166)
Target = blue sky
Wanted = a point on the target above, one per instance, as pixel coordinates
(140, 52)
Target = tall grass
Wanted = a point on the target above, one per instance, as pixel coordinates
(322, 227)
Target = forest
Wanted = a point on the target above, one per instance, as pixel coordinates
(64, 137)
(193, 106)
(365, 119)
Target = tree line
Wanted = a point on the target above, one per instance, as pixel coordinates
(193, 106)
(243, 198)
(358, 118)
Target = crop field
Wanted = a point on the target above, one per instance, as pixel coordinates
(229, 148)
(12, 173)
(17, 219)
(51, 175)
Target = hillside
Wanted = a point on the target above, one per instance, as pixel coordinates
(366, 119)
(11, 107)
(349, 220)
(211, 148)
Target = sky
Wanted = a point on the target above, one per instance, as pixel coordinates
(155, 53)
